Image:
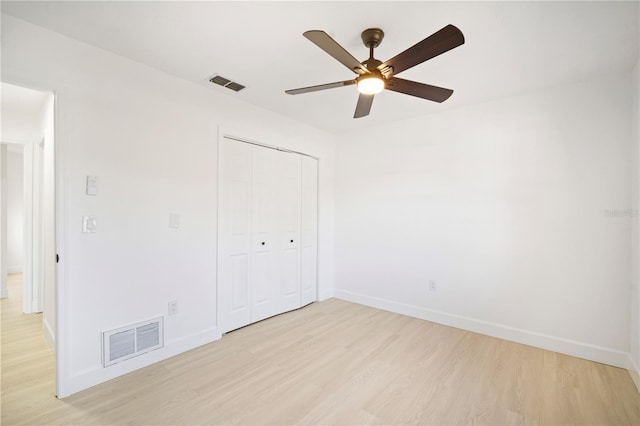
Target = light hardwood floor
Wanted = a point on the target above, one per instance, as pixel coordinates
(329, 363)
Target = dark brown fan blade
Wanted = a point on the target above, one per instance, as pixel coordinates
(319, 87)
(329, 45)
(432, 46)
(421, 90)
(364, 105)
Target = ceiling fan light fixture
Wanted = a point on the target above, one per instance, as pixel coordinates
(375, 76)
(370, 84)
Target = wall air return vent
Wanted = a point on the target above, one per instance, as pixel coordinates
(225, 82)
(133, 340)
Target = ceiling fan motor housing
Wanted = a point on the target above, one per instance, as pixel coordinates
(372, 37)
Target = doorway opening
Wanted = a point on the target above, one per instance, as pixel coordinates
(27, 216)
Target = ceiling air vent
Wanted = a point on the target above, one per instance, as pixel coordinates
(225, 82)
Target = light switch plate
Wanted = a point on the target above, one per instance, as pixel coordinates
(92, 185)
(174, 220)
(88, 224)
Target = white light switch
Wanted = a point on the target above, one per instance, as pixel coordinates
(88, 224)
(174, 220)
(92, 185)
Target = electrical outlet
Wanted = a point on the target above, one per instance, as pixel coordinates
(432, 286)
(173, 307)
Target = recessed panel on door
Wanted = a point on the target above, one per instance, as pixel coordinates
(262, 283)
(239, 282)
(239, 208)
(290, 280)
(308, 275)
(309, 231)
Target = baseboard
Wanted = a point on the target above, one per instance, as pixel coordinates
(48, 334)
(325, 295)
(14, 269)
(544, 341)
(634, 371)
(89, 378)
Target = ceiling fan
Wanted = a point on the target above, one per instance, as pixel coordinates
(374, 75)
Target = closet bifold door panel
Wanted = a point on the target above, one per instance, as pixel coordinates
(267, 233)
(264, 295)
(309, 232)
(234, 258)
(289, 187)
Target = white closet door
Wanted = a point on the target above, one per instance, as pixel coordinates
(264, 273)
(267, 234)
(235, 236)
(288, 174)
(309, 232)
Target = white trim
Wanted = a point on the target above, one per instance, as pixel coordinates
(15, 141)
(277, 148)
(37, 243)
(3, 221)
(14, 269)
(48, 334)
(63, 322)
(94, 376)
(27, 230)
(326, 294)
(634, 371)
(219, 138)
(539, 340)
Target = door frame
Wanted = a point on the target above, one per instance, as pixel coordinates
(60, 331)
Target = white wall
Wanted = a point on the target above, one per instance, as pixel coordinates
(152, 141)
(512, 207)
(15, 211)
(634, 365)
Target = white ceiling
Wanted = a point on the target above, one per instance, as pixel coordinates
(511, 47)
(21, 117)
(22, 102)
